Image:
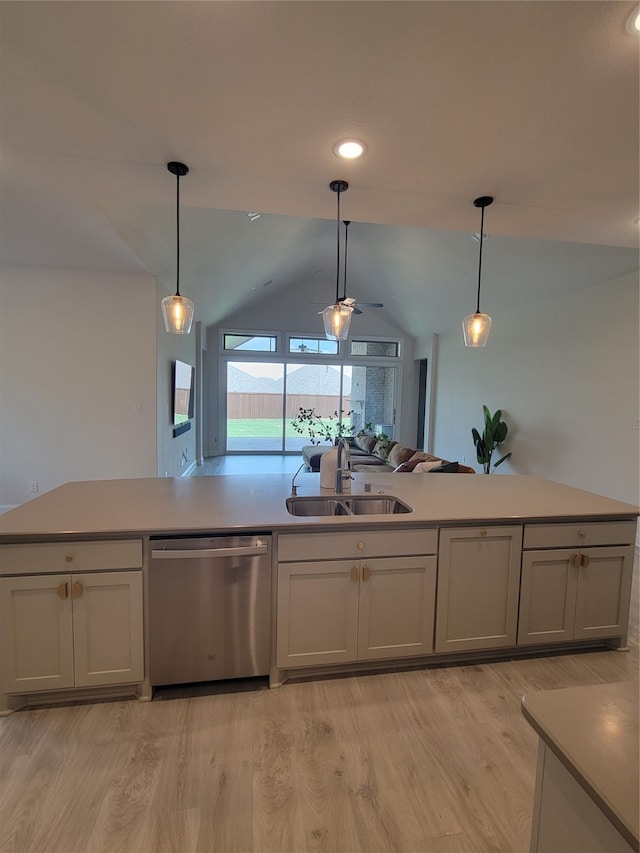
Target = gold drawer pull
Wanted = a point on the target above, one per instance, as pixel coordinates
(582, 534)
(69, 558)
(354, 574)
(483, 533)
(76, 589)
(360, 546)
(63, 591)
(577, 560)
(584, 562)
(366, 573)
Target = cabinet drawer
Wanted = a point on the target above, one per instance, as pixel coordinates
(579, 534)
(363, 543)
(56, 557)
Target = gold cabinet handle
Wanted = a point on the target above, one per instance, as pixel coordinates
(584, 561)
(582, 534)
(483, 533)
(69, 558)
(577, 560)
(63, 590)
(354, 574)
(366, 573)
(360, 546)
(76, 589)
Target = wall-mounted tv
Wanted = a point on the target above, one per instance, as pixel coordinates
(182, 396)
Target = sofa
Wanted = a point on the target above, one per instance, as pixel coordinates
(368, 453)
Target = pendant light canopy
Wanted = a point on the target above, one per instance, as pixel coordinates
(337, 317)
(177, 311)
(476, 327)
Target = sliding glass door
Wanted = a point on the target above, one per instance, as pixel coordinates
(264, 397)
(255, 398)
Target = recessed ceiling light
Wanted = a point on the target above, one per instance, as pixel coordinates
(633, 23)
(349, 149)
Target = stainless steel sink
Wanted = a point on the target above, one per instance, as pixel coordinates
(315, 505)
(376, 505)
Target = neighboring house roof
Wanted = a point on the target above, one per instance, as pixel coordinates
(313, 379)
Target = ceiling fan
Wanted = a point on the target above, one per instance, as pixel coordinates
(349, 300)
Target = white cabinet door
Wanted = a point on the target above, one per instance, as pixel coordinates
(603, 593)
(397, 607)
(107, 628)
(570, 594)
(317, 613)
(36, 631)
(547, 597)
(478, 587)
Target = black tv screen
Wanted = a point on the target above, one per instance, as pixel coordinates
(182, 393)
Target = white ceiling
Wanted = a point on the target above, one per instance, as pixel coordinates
(535, 103)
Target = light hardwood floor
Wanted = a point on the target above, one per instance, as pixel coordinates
(438, 760)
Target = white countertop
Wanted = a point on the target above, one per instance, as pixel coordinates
(594, 732)
(257, 503)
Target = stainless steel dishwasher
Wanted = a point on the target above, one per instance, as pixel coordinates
(209, 608)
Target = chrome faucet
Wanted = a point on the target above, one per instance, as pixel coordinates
(294, 488)
(342, 472)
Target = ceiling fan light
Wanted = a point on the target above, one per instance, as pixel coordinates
(476, 328)
(337, 319)
(177, 313)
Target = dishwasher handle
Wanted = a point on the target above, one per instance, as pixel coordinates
(210, 553)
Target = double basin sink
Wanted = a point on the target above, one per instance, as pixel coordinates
(314, 505)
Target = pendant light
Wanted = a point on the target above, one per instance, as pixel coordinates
(177, 311)
(337, 317)
(476, 327)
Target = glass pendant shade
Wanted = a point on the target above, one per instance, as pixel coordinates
(177, 313)
(337, 319)
(476, 328)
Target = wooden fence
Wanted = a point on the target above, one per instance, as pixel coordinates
(243, 406)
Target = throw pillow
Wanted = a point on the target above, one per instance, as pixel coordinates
(366, 442)
(411, 464)
(423, 456)
(382, 449)
(399, 454)
(447, 468)
(427, 467)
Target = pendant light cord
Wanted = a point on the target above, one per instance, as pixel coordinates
(480, 258)
(177, 234)
(338, 250)
(346, 240)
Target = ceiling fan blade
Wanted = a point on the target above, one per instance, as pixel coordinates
(372, 304)
(357, 311)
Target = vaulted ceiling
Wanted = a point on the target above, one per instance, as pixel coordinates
(535, 103)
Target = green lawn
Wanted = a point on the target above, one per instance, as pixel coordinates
(260, 428)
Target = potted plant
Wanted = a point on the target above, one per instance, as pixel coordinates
(494, 433)
(319, 428)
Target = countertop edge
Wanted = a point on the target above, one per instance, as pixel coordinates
(629, 833)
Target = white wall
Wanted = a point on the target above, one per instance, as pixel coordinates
(566, 376)
(77, 355)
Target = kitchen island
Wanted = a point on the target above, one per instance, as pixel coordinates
(587, 778)
(480, 567)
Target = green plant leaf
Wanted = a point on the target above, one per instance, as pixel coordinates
(500, 432)
(500, 461)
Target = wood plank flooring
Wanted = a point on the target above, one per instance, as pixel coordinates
(437, 760)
